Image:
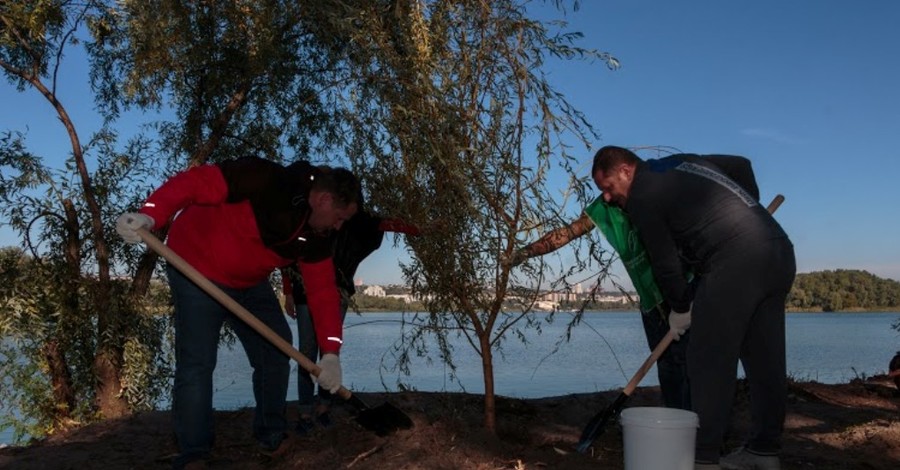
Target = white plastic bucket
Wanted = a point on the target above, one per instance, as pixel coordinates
(659, 438)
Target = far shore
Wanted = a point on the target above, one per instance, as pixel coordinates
(885, 310)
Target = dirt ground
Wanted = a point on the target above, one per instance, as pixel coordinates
(847, 426)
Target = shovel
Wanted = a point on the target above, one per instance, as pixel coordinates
(383, 419)
(598, 423)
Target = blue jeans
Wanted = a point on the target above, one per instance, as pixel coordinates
(672, 365)
(198, 322)
(309, 346)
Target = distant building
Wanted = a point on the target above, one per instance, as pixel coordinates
(622, 299)
(374, 291)
(547, 300)
(546, 305)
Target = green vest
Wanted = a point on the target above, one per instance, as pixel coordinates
(624, 239)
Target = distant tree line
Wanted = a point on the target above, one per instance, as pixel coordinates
(370, 303)
(592, 304)
(843, 289)
(826, 291)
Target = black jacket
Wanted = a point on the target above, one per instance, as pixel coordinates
(687, 208)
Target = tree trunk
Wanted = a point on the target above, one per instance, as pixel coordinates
(107, 359)
(490, 400)
(60, 381)
(54, 349)
(108, 397)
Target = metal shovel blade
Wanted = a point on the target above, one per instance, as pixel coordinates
(382, 419)
(599, 422)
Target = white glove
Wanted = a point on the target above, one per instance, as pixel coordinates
(679, 322)
(330, 375)
(128, 223)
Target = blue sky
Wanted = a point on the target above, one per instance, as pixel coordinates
(808, 89)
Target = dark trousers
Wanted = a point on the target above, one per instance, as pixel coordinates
(738, 314)
(671, 367)
(309, 346)
(198, 322)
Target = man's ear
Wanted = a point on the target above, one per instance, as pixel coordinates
(628, 171)
(319, 199)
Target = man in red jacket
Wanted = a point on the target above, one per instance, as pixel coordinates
(235, 222)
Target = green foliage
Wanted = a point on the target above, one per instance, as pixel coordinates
(843, 289)
(28, 31)
(146, 340)
(70, 332)
(242, 78)
(455, 126)
(33, 319)
(442, 107)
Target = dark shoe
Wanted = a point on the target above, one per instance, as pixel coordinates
(324, 419)
(305, 426)
(745, 459)
(270, 446)
(190, 461)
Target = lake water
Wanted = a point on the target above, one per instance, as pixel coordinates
(603, 353)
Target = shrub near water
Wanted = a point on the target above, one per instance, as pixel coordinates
(46, 356)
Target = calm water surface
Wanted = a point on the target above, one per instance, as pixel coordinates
(602, 354)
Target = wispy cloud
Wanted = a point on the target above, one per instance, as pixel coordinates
(773, 135)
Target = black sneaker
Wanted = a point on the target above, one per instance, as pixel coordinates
(271, 445)
(324, 419)
(744, 458)
(305, 426)
(190, 460)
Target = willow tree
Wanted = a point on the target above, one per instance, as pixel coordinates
(93, 351)
(231, 79)
(224, 79)
(456, 126)
(238, 77)
(441, 107)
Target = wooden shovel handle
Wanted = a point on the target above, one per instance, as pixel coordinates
(775, 204)
(670, 335)
(645, 367)
(203, 283)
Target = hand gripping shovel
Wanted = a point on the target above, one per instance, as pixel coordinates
(383, 419)
(598, 423)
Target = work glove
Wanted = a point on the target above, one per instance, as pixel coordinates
(128, 223)
(679, 323)
(330, 375)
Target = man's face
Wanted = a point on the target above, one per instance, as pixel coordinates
(615, 184)
(326, 214)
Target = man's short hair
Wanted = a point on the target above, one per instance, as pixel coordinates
(340, 182)
(611, 156)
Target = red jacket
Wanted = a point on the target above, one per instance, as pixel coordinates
(241, 219)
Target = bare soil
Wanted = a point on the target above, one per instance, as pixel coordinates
(845, 426)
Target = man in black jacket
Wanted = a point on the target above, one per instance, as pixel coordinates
(359, 237)
(704, 212)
